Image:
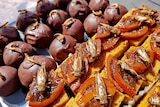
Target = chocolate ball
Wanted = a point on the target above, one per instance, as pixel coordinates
(25, 18)
(9, 81)
(97, 5)
(14, 52)
(8, 34)
(61, 46)
(114, 12)
(92, 21)
(38, 35)
(61, 4)
(56, 18)
(74, 28)
(43, 8)
(78, 9)
(31, 64)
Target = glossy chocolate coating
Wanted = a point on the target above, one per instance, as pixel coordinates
(14, 52)
(8, 34)
(1, 57)
(78, 9)
(56, 19)
(74, 28)
(114, 12)
(9, 82)
(61, 4)
(38, 35)
(61, 46)
(98, 4)
(25, 18)
(91, 23)
(43, 8)
(27, 70)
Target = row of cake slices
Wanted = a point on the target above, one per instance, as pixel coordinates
(127, 74)
(120, 79)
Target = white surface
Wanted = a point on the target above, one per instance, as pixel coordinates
(9, 11)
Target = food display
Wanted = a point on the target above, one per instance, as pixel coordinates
(99, 55)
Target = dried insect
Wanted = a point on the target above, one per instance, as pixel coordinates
(41, 78)
(111, 29)
(125, 66)
(156, 38)
(143, 54)
(141, 93)
(141, 19)
(154, 100)
(101, 90)
(91, 48)
(147, 11)
(78, 65)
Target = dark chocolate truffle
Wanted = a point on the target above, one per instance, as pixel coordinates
(8, 34)
(78, 9)
(43, 8)
(56, 18)
(97, 5)
(114, 12)
(13, 53)
(38, 35)
(61, 4)
(92, 21)
(61, 46)
(9, 81)
(29, 67)
(74, 28)
(25, 18)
